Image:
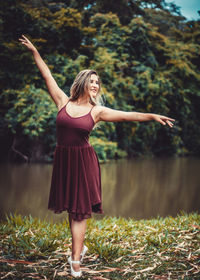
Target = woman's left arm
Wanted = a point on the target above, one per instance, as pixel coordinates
(111, 115)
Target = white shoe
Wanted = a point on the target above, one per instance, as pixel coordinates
(85, 248)
(73, 272)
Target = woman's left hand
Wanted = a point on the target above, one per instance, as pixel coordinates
(163, 120)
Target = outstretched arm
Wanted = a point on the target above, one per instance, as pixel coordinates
(110, 115)
(58, 96)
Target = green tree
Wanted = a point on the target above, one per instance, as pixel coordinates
(147, 56)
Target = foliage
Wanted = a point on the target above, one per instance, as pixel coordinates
(31, 111)
(106, 149)
(147, 56)
(118, 248)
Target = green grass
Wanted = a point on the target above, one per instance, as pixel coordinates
(162, 248)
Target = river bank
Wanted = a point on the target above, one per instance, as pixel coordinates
(119, 248)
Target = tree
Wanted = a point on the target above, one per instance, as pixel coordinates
(147, 56)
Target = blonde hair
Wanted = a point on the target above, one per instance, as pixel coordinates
(81, 85)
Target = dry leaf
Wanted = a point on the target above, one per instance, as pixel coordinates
(100, 278)
(159, 277)
(62, 273)
(5, 276)
(119, 259)
(147, 269)
(17, 261)
(55, 273)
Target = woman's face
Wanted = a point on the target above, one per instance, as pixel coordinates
(93, 85)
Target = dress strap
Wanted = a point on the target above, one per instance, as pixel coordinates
(67, 101)
(91, 109)
(64, 106)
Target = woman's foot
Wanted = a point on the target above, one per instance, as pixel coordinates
(75, 267)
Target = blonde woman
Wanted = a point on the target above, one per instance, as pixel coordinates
(76, 179)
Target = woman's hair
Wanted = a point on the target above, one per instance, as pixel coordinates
(81, 85)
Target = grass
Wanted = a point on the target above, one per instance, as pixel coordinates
(162, 248)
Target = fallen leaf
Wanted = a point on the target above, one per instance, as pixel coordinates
(5, 276)
(90, 271)
(17, 261)
(101, 271)
(63, 273)
(119, 259)
(100, 278)
(159, 277)
(147, 269)
(114, 268)
(55, 273)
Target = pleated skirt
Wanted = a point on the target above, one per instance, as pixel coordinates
(76, 182)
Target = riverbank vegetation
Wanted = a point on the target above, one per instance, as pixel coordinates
(147, 56)
(119, 248)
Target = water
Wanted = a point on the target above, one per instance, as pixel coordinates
(137, 188)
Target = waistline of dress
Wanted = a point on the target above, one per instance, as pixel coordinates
(73, 146)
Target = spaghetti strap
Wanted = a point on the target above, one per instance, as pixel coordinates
(91, 109)
(67, 101)
(64, 106)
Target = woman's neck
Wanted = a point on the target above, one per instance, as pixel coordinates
(83, 100)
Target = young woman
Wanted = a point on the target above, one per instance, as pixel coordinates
(76, 182)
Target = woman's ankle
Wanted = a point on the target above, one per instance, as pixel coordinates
(75, 257)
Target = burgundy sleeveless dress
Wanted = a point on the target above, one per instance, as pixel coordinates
(76, 178)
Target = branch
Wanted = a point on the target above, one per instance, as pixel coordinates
(18, 152)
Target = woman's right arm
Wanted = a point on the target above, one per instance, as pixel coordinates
(58, 96)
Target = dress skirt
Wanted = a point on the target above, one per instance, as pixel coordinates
(75, 182)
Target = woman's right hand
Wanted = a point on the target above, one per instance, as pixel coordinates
(25, 41)
(58, 96)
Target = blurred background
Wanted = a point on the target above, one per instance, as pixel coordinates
(147, 54)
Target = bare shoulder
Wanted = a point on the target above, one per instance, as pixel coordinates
(98, 108)
(96, 112)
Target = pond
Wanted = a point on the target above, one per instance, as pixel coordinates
(136, 188)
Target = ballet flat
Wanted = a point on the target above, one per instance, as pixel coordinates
(73, 272)
(85, 248)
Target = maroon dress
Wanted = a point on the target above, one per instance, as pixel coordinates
(76, 178)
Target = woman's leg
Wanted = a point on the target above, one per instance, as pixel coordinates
(78, 229)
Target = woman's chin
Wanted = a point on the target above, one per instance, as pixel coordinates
(93, 95)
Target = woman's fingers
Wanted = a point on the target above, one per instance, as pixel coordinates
(27, 43)
(22, 40)
(169, 123)
(165, 120)
(160, 121)
(173, 120)
(25, 38)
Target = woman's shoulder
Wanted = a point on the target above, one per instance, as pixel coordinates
(98, 108)
(63, 101)
(97, 111)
